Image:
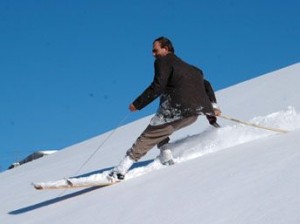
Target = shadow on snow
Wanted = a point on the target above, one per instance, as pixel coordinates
(71, 195)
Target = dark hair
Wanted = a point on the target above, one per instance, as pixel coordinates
(165, 42)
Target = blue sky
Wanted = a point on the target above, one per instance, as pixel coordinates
(69, 69)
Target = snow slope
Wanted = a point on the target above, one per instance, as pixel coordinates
(236, 174)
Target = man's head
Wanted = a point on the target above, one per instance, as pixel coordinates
(162, 46)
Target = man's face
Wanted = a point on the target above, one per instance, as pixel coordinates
(157, 51)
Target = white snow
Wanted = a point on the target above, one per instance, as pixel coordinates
(236, 174)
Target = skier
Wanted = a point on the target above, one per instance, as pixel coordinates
(184, 95)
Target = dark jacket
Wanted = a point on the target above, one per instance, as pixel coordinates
(180, 87)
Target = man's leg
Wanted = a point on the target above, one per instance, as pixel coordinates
(156, 135)
(166, 156)
(151, 136)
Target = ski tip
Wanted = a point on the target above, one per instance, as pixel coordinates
(69, 181)
(37, 186)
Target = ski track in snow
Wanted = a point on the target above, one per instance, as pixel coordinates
(214, 140)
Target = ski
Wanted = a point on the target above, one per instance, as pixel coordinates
(96, 180)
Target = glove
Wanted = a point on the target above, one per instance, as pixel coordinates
(213, 121)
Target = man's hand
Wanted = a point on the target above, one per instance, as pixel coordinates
(217, 111)
(132, 108)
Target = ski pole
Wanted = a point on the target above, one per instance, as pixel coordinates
(252, 124)
(103, 142)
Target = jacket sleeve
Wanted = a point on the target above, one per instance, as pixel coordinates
(209, 91)
(211, 95)
(163, 70)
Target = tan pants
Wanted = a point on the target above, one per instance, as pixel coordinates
(156, 135)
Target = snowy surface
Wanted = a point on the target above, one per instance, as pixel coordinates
(235, 174)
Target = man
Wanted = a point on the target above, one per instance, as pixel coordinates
(183, 97)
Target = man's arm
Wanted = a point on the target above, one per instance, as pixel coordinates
(211, 95)
(156, 88)
(209, 91)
